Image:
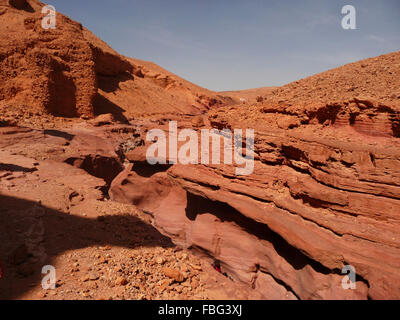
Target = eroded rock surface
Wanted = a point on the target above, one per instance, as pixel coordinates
(325, 191)
(56, 212)
(69, 72)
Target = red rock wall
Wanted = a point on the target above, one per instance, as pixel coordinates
(323, 195)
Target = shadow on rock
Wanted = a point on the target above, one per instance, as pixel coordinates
(32, 236)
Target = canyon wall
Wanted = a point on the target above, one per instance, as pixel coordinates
(324, 194)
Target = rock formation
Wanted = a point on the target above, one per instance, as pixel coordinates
(69, 72)
(324, 193)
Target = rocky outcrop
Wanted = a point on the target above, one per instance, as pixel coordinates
(325, 193)
(69, 72)
(48, 70)
(90, 149)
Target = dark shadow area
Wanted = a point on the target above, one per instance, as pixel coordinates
(315, 203)
(197, 205)
(61, 232)
(102, 105)
(7, 123)
(396, 127)
(22, 5)
(297, 259)
(290, 152)
(15, 168)
(329, 112)
(146, 170)
(106, 168)
(111, 83)
(62, 95)
(60, 134)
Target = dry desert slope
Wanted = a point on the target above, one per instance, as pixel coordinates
(70, 72)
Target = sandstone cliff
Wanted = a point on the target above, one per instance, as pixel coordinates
(69, 72)
(324, 192)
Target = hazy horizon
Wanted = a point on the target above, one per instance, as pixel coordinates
(241, 44)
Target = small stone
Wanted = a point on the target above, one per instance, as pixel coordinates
(178, 289)
(184, 256)
(103, 119)
(173, 274)
(196, 267)
(195, 284)
(93, 277)
(164, 284)
(121, 281)
(140, 296)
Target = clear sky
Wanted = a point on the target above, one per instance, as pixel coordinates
(240, 44)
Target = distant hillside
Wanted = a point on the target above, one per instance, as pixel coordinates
(69, 72)
(249, 95)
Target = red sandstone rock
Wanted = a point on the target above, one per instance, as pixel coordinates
(103, 119)
(173, 274)
(69, 72)
(324, 192)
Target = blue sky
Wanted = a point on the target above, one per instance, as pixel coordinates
(240, 44)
